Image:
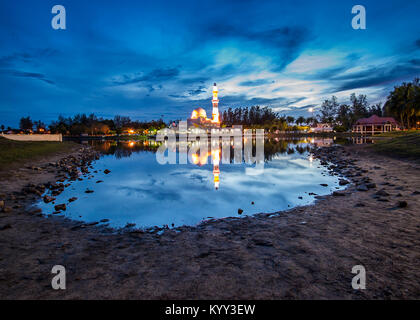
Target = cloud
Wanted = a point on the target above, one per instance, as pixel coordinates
(415, 62)
(10, 60)
(194, 80)
(277, 37)
(255, 83)
(17, 58)
(23, 74)
(196, 92)
(284, 43)
(376, 76)
(156, 75)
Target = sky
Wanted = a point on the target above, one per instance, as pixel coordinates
(148, 59)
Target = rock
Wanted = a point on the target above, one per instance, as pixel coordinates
(72, 199)
(338, 194)
(104, 220)
(48, 199)
(7, 209)
(240, 211)
(5, 227)
(343, 182)
(1, 204)
(362, 187)
(262, 242)
(91, 224)
(324, 184)
(252, 202)
(60, 207)
(89, 191)
(382, 193)
(360, 205)
(106, 171)
(99, 181)
(415, 193)
(371, 185)
(402, 204)
(300, 198)
(36, 211)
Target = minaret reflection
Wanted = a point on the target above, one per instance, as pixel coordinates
(201, 159)
(216, 170)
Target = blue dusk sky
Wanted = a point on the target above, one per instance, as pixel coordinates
(145, 59)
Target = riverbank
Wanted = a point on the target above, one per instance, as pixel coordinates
(405, 145)
(305, 253)
(14, 153)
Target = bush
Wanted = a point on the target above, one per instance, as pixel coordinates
(340, 129)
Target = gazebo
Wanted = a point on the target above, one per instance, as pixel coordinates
(375, 124)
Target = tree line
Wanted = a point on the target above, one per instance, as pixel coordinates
(263, 117)
(91, 125)
(403, 103)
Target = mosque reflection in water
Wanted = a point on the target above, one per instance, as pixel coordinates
(201, 154)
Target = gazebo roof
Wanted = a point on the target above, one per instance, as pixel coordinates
(375, 120)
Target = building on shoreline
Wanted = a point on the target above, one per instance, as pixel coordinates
(375, 124)
(199, 118)
(321, 127)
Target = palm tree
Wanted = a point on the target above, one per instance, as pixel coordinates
(290, 119)
(300, 120)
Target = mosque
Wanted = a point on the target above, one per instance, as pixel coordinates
(199, 120)
(199, 116)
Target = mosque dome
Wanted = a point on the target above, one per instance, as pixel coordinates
(199, 113)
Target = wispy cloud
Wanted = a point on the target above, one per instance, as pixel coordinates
(156, 75)
(23, 74)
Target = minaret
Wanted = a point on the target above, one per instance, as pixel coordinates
(215, 102)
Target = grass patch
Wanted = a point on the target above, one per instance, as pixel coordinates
(15, 152)
(403, 145)
(396, 133)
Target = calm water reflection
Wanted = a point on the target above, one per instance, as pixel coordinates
(139, 190)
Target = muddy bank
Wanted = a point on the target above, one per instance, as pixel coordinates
(305, 253)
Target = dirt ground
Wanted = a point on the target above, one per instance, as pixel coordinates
(305, 253)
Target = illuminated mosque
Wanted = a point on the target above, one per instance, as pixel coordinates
(199, 120)
(199, 116)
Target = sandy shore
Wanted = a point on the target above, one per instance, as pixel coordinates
(305, 253)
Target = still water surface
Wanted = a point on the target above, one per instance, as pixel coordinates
(139, 190)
